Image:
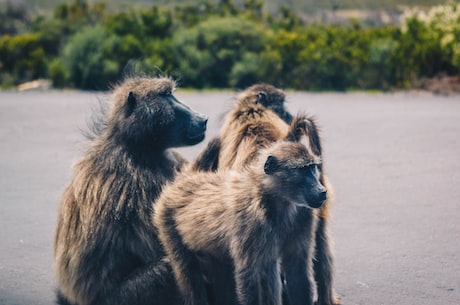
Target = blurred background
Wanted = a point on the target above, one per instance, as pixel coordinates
(391, 152)
(297, 44)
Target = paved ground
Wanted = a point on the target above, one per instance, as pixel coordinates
(394, 160)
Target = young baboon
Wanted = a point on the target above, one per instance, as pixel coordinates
(106, 249)
(238, 144)
(252, 215)
(256, 108)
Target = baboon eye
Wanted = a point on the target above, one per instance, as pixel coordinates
(166, 93)
(310, 167)
(261, 96)
(315, 169)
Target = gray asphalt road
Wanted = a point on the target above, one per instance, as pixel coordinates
(393, 159)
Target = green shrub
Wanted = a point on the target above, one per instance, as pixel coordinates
(52, 34)
(23, 57)
(205, 55)
(378, 73)
(88, 61)
(429, 44)
(143, 24)
(57, 73)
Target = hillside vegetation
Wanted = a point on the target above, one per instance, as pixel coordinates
(225, 44)
(306, 6)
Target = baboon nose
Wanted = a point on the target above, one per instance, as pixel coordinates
(204, 122)
(322, 196)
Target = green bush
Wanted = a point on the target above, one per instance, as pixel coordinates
(429, 44)
(22, 56)
(205, 55)
(52, 34)
(57, 73)
(87, 59)
(143, 24)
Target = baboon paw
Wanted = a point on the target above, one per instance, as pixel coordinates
(332, 301)
(336, 300)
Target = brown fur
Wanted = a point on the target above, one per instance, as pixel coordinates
(254, 216)
(247, 128)
(250, 126)
(106, 250)
(255, 120)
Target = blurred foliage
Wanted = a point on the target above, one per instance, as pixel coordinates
(207, 53)
(218, 44)
(88, 58)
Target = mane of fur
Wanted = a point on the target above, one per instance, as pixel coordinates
(247, 128)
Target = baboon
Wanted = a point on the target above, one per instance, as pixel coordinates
(252, 215)
(106, 249)
(235, 140)
(256, 108)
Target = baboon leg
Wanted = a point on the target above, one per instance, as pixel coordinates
(323, 265)
(208, 159)
(247, 284)
(221, 281)
(185, 265)
(299, 280)
(153, 285)
(284, 293)
(297, 262)
(270, 285)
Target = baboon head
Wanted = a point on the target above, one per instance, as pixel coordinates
(145, 112)
(294, 171)
(268, 96)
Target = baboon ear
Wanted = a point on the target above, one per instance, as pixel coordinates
(271, 165)
(131, 101)
(298, 129)
(261, 97)
(304, 140)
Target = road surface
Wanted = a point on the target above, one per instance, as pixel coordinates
(393, 159)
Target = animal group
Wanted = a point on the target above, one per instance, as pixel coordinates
(245, 223)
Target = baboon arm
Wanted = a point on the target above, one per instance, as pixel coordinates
(270, 284)
(323, 265)
(220, 281)
(208, 159)
(299, 284)
(188, 274)
(247, 284)
(185, 264)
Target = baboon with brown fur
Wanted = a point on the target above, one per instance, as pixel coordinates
(234, 140)
(252, 122)
(252, 215)
(106, 249)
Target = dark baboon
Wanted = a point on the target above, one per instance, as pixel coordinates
(106, 249)
(252, 215)
(236, 146)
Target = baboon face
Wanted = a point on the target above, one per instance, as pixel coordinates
(271, 98)
(296, 174)
(189, 124)
(152, 114)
